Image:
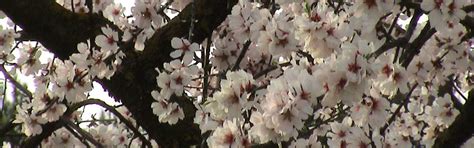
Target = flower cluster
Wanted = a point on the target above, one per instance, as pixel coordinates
(299, 73)
(7, 38)
(177, 75)
(61, 84)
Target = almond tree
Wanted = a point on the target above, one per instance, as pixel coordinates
(228, 73)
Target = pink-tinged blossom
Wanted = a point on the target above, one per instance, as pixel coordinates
(167, 112)
(126, 113)
(113, 12)
(358, 139)
(183, 48)
(178, 80)
(338, 88)
(443, 110)
(31, 124)
(102, 134)
(242, 17)
(145, 13)
(398, 80)
(319, 31)
(108, 40)
(279, 37)
(234, 93)
(111, 135)
(373, 110)
(286, 105)
(394, 139)
(81, 59)
(29, 59)
(175, 82)
(260, 132)
(98, 67)
(444, 14)
(229, 135)
(307, 67)
(340, 133)
(70, 83)
(164, 82)
(261, 19)
(366, 10)
(205, 122)
(7, 38)
(142, 37)
(225, 54)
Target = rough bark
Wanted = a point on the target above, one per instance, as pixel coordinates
(461, 129)
(59, 30)
(51, 24)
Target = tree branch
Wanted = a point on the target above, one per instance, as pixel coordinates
(461, 129)
(122, 119)
(79, 130)
(59, 30)
(397, 111)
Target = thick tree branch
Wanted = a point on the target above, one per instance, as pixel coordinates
(54, 26)
(461, 129)
(134, 84)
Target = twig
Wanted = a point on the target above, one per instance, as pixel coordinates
(269, 69)
(193, 15)
(5, 94)
(202, 77)
(162, 8)
(18, 85)
(458, 91)
(206, 67)
(413, 23)
(48, 106)
(265, 71)
(241, 55)
(415, 46)
(307, 55)
(392, 26)
(397, 111)
(72, 6)
(75, 134)
(400, 41)
(84, 134)
(98, 120)
(121, 117)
